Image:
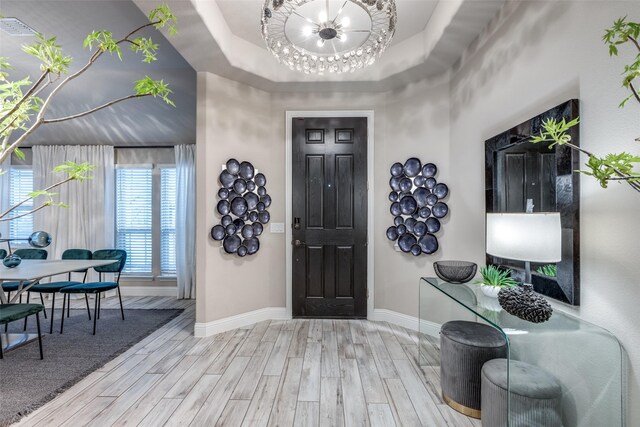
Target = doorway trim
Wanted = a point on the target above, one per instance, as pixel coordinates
(289, 115)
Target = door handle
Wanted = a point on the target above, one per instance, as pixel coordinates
(296, 223)
(297, 243)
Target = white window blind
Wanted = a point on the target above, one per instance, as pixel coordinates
(20, 185)
(134, 218)
(168, 221)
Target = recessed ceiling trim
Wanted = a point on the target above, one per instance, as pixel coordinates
(429, 53)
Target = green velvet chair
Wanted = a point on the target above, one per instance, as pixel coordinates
(97, 288)
(9, 287)
(55, 287)
(13, 312)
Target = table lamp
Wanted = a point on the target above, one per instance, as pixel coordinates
(528, 237)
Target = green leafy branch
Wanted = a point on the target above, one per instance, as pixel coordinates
(21, 107)
(143, 87)
(623, 32)
(19, 100)
(556, 133)
(74, 172)
(613, 166)
(50, 55)
(4, 67)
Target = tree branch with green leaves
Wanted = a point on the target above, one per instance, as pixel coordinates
(613, 167)
(23, 111)
(19, 106)
(74, 171)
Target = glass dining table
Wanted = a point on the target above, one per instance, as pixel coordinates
(28, 273)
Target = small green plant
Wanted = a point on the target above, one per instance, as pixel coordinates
(550, 270)
(613, 167)
(493, 276)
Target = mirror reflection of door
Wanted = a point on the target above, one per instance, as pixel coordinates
(527, 175)
(329, 217)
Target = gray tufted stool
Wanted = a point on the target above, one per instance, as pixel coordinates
(464, 348)
(535, 395)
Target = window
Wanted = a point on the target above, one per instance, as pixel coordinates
(168, 221)
(20, 185)
(134, 226)
(146, 219)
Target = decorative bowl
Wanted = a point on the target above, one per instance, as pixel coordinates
(455, 271)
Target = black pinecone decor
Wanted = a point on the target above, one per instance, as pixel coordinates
(522, 302)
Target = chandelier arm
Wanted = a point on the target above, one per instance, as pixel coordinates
(356, 31)
(307, 19)
(339, 11)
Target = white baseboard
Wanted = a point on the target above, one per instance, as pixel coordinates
(239, 321)
(149, 291)
(280, 313)
(406, 321)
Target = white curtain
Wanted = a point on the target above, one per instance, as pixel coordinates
(186, 220)
(88, 221)
(4, 196)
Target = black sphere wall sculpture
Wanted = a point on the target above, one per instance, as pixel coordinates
(417, 206)
(243, 208)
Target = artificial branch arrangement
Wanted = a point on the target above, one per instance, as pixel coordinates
(23, 109)
(613, 166)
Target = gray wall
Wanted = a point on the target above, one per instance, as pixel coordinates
(547, 53)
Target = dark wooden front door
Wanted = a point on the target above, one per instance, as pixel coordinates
(329, 217)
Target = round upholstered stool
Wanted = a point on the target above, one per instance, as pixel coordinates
(535, 395)
(464, 348)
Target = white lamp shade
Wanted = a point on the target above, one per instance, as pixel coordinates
(535, 237)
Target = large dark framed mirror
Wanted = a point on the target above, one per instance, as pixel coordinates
(525, 177)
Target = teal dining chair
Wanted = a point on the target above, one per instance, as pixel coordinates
(55, 287)
(97, 288)
(9, 287)
(12, 312)
(3, 254)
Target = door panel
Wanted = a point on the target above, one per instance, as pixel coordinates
(344, 271)
(315, 192)
(330, 217)
(344, 192)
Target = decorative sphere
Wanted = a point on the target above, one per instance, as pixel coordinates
(40, 239)
(233, 166)
(12, 261)
(218, 232)
(260, 180)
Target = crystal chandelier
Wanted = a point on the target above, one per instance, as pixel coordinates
(328, 36)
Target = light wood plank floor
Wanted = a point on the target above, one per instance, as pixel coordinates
(274, 373)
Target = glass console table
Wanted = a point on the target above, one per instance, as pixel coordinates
(586, 360)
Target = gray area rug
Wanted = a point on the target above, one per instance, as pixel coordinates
(26, 382)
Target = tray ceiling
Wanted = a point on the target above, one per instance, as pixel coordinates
(223, 37)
